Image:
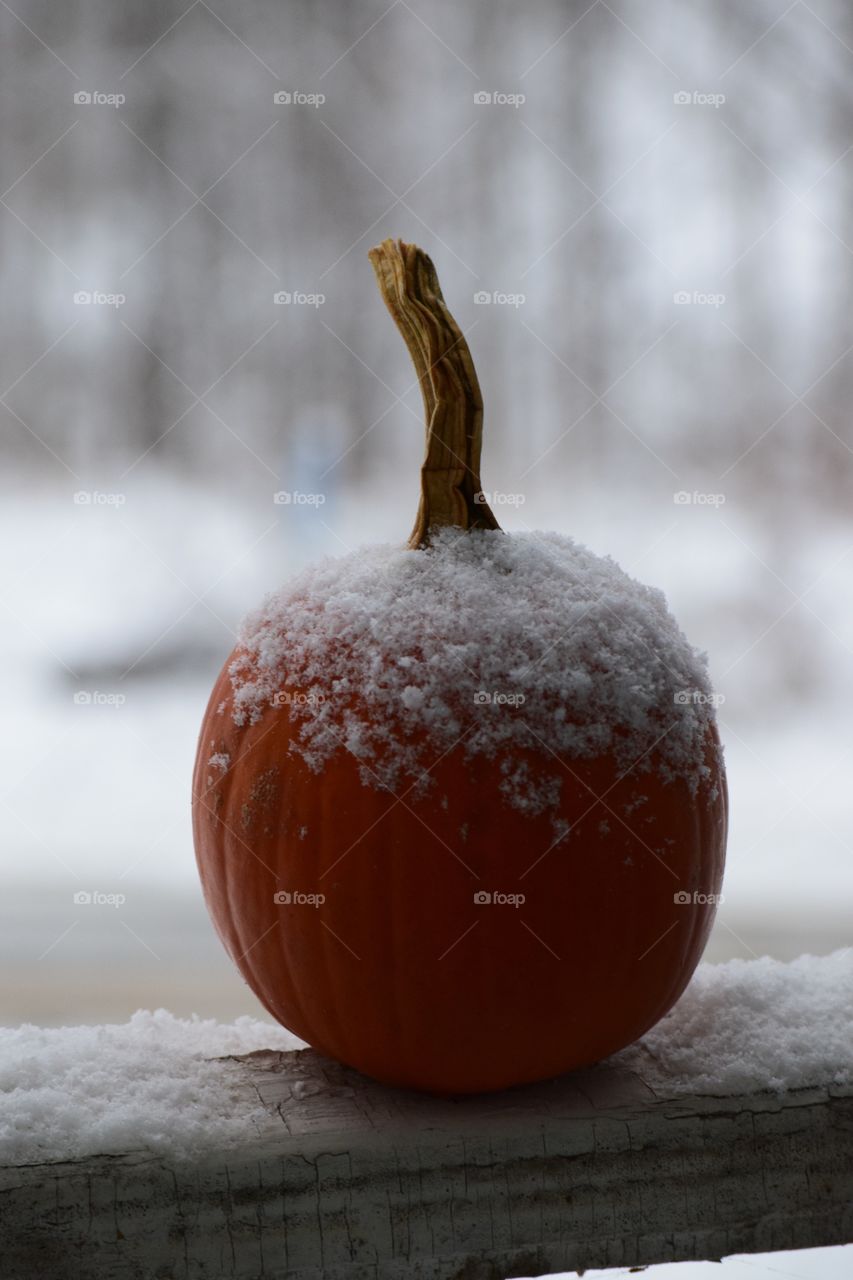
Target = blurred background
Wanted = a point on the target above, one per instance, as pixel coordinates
(641, 216)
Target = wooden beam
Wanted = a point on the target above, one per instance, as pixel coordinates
(346, 1180)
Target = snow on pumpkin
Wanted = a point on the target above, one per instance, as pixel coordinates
(502, 642)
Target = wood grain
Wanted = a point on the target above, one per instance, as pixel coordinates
(345, 1178)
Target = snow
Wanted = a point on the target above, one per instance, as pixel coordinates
(150, 1083)
(508, 642)
(754, 1024)
(73, 1091)
(793, 1264)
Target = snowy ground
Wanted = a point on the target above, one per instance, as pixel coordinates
(134, 606)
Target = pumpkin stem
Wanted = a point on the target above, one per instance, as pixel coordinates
(450, 475)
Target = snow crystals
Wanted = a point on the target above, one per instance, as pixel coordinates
(498, 642)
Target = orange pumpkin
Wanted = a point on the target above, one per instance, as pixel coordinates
(440, 904)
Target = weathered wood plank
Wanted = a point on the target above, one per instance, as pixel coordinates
(347, 1179)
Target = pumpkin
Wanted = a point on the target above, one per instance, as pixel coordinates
(459, 808)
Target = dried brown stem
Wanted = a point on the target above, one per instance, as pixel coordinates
(450, 475)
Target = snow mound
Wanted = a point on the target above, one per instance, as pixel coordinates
(66, 1092)
(501, 642)
(71, 1092)
(754, 1024)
